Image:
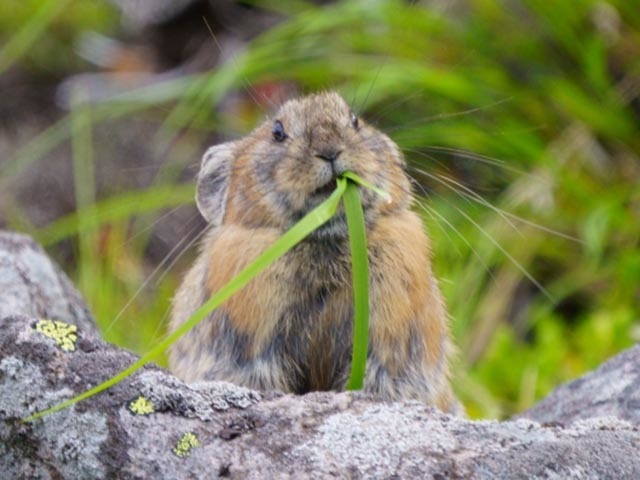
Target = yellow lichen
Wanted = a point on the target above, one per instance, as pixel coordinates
(142, 406)
(64, 334)
(184, 446)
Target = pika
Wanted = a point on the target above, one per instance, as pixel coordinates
(290, 328)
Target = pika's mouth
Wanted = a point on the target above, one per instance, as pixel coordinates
(326, 189)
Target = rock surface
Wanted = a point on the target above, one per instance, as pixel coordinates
(31, 284)
(611, 390)
(153, 426)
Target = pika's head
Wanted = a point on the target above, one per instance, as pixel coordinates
(289, 165)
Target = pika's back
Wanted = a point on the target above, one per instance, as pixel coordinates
(290, 328)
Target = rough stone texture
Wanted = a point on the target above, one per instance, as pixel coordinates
(611, 390)
(31, 284)
(240, 433)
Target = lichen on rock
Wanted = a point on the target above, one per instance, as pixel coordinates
(187, 442)
(64, 334)
(142, 406)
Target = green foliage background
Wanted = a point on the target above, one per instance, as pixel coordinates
(521, 123)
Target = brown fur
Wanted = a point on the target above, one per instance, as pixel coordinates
(290, 327)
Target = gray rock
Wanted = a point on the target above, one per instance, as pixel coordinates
(611, 390)
(151, 425)
(31, 284)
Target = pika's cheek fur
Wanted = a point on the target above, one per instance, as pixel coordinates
(290, 328)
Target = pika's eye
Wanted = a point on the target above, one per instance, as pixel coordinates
(278, 132)
(354, 121)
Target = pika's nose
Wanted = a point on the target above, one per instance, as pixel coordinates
(328, 155)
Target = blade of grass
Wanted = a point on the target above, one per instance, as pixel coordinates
(360, 280)
(19, 43)
(115, 208)
(318, 216)
(83, 180)
(361, 181)
(53, 136)
(35, 149)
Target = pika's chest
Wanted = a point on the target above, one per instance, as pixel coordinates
(313, 335)
(298, 311)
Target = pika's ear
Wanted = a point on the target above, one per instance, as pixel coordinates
(213, 182)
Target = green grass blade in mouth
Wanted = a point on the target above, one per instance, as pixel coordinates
(360, 278)
(314, 219)
(361, 181)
